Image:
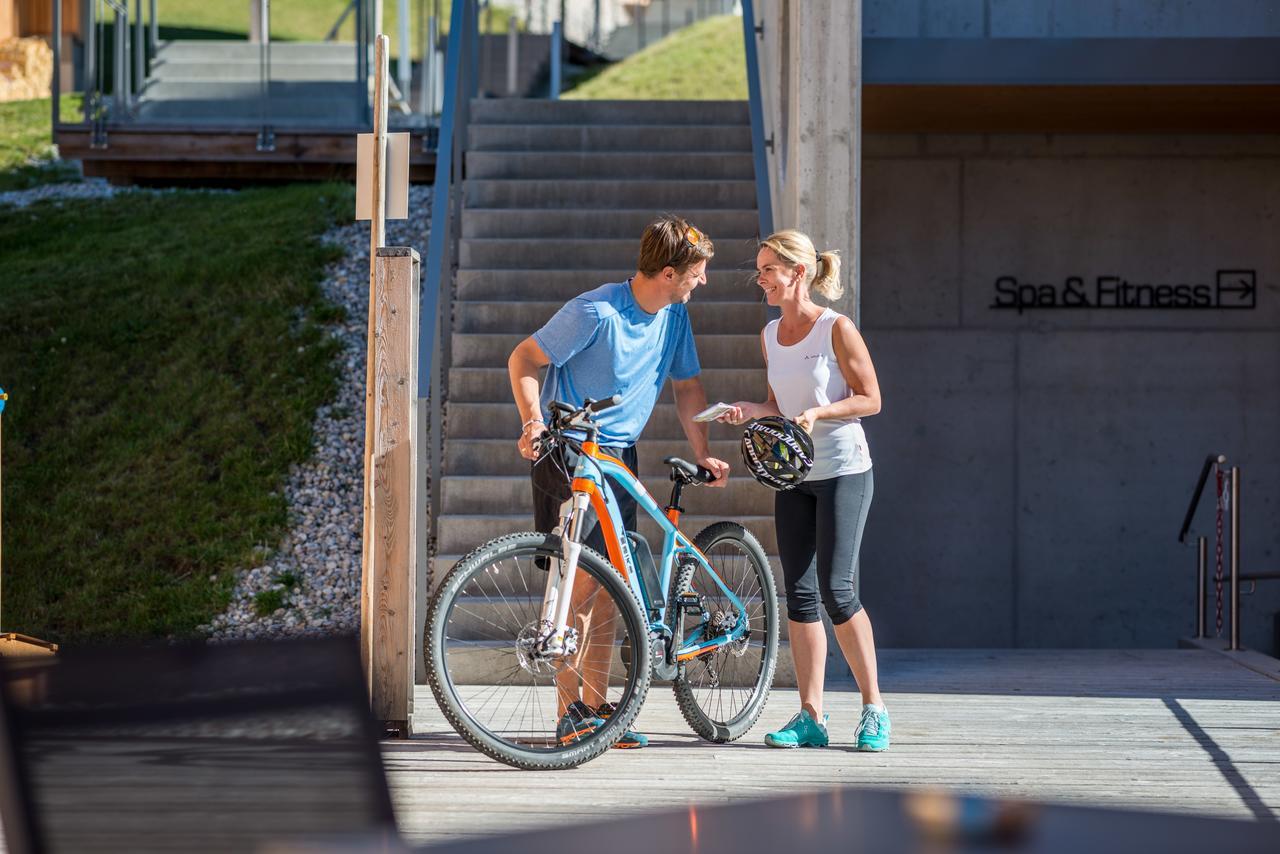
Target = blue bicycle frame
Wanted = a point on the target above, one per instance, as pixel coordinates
(591, 468)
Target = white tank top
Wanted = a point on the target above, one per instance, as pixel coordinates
(807, 374)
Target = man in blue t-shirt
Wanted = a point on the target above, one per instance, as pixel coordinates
(624, 338)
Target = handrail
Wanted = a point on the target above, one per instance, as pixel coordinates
(1209, 462)
(337, 25)
(755, 105)
(459, 84)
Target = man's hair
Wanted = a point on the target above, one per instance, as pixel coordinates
(670, 241)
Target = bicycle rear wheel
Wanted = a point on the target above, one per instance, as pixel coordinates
(503, 699)
(722, 693)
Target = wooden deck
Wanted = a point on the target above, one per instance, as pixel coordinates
(228, 155)
(1185, 731)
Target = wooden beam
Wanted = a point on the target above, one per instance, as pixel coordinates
(1071, 109)
(392, 494)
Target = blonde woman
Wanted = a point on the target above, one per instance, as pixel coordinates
(820, 375)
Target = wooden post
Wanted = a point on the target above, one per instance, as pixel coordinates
(377, 236)
(390, 529)
(389, 559)
(3, 397)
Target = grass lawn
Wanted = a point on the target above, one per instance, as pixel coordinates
(26, 143)
(704, 62)
(164, 355)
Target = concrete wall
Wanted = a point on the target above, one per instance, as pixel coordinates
(1033, 468)
(1069, 18)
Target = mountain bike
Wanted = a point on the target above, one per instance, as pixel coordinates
(528, 623)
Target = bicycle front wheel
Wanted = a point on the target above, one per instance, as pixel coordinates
(497, 692)
(721, 693)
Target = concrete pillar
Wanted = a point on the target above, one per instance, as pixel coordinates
(821, 171)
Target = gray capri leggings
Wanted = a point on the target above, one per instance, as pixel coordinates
(819, 534)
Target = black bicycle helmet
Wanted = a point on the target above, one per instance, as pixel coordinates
(777, 452)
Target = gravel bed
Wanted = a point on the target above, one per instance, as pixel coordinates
(315, 570)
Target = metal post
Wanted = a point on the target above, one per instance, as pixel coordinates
(1202, 561)
(472, 87)
(404, 62)
(89, 13)
(666, 18)
(428, 63)
(139, 46)
(640, 31)
(120, 67)
(556, 48)
(1235, 558)
(57, 63)
(154, 28)
(513, 57)
(597, 36)
(266, 135)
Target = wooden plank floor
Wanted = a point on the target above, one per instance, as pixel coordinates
(1168, 730)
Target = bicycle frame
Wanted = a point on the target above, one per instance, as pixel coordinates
(591, 489)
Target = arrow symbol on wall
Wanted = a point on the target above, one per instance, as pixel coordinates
(1237, 288)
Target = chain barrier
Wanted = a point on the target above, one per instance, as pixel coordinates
(1217, 574)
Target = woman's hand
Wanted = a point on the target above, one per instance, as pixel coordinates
(807, 418)
(741, 412)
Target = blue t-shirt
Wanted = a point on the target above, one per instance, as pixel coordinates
(603, 343)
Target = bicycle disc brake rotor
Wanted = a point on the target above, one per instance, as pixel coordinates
(531, 650)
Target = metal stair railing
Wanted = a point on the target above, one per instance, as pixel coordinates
(1228, 500)
(460, 85)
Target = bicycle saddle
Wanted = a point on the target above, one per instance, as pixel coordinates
(687, 471)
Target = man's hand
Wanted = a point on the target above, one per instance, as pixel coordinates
(528, 443)
(719, 468)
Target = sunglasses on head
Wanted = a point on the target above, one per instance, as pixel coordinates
(693, 236)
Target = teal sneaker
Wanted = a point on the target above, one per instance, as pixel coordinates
(630, 740)
(874, 729)
(577, 723)
(801, 731)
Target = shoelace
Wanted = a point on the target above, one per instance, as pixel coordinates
(871, 721)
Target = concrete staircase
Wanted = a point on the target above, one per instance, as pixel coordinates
(556, 196)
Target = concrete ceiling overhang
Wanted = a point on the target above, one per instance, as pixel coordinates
(1212, 85)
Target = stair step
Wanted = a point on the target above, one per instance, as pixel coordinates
(499, 456)
(484, 663)
(494, 421)
(714, 351)
(492, 385)
(236, 50)
(483, 618)
(281, 91)
(471, 494)
(543, 111)
(707, 317)
(732, 225)
(606, 194)
(601, 137)
(284, 112)
(528, 579)
(663, 165)
(590, 253)
(168, 71)
(724, 283)
(460, 533)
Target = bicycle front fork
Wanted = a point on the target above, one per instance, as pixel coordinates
(556, 635)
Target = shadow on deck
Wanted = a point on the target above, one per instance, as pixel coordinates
(1176, 731)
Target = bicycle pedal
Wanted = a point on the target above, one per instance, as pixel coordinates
(689, 603)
